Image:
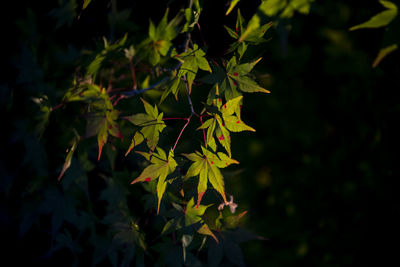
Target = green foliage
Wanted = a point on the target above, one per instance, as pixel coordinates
(151, 125)
(382, 19)
(102, 100)
(161, 166)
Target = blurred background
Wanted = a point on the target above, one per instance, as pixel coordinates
(319, 178)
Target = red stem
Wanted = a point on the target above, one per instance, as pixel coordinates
(165, 119)
(117, 100)
(180, 134)
(58, 106)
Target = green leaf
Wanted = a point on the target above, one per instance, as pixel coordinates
(232, 6)
(193, 59)
(248, 85)
(231, 32)
(193, 215)
(85, 3)
(232, 81)
(383, 53)
(206, 166)
(151, 124)
(192, 16)
(227, 119)
(285, 8)
(103, 123)
(234, 124)
(70, 153)
(173, 88)
(96, 64)
(160, 168)
(380, 20)
(159, 42)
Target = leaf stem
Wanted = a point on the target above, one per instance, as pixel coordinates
(58, 106)
(180, 134)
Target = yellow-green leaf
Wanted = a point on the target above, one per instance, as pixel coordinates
(383, 53)
(381, 19)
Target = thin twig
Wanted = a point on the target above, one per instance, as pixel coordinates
(180, 134)
(201, 34)
(189, 98)
(133, 93)
(133, 74)
(58, 106)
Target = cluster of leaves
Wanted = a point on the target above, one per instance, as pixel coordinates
(159, 68)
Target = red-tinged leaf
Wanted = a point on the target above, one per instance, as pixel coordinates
(226, 140)
(206, 166)
(205, 230)
(101, 145)
(224, 161)
(102, 136)
(244, 69)
(235, 124)
(200, 196)
(231, 106)
(114, 130)
(160, 168)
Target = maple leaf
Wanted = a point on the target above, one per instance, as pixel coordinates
(103, 126)
(159, 41)
(193, 59)
(102, 119)
(193, 215)
(206, 166)
(233, 80)
(161, 166)
(227, 119)
(152, 125)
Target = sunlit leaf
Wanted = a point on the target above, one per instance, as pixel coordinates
(193, 215)
(380, 20)
(232, 6)
(206, 166)
(228, 119)
(160, 168)
(151, 124)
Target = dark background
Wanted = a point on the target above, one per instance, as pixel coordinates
(319, 178)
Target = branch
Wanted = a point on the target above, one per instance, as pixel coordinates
(140, 91)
